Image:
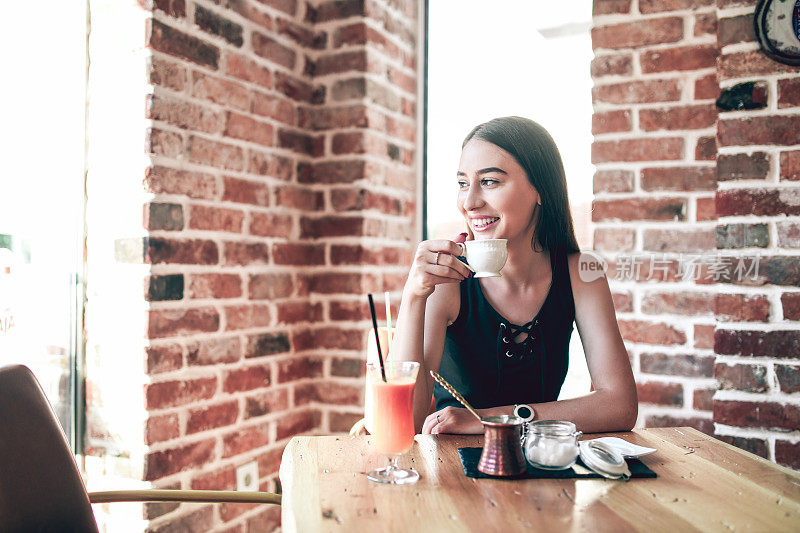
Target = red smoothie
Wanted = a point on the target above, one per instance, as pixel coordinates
(393, 415)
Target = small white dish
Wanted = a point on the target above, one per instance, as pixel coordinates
(624, 447)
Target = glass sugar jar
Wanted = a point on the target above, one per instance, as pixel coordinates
(552, 444)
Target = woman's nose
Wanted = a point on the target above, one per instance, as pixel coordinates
(472, 198)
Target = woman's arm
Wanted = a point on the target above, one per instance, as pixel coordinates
(421, 328)
(431, 300)
(612, 406)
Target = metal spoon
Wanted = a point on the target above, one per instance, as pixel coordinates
(449, 388)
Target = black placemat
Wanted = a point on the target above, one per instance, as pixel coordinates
(471, 456)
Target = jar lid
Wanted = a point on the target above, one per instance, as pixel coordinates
(553, 427)
(604, 459)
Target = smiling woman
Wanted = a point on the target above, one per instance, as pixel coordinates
(504, 341)
(520, 191)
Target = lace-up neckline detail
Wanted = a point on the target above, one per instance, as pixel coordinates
(508, 334)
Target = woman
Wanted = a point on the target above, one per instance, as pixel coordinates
(504, 341)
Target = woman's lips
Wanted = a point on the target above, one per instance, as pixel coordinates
(482, 227)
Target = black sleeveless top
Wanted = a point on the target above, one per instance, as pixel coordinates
(484, 363)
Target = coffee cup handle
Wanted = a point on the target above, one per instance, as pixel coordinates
(463, 249)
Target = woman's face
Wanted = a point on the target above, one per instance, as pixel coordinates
(494, 193)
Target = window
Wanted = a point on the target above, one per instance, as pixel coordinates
(41, 198)
(509, 57)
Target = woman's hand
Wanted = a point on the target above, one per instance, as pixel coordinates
(452, 420)
(434, 263)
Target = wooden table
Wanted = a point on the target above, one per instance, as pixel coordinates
(703, 484)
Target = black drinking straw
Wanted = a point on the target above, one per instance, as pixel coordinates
(377, 337)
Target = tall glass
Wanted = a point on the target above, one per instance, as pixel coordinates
(393, 418)
(386, 338)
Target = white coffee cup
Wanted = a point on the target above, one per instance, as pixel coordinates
(486, 256)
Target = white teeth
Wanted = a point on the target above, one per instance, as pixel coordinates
(481, 222)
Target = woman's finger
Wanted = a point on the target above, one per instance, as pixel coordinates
(450, 261)
(437, 245)
(441, 245)
(453, 262)
(446, 425)
(430, 421)
(443, 271)
(438, 420)
(430, 280)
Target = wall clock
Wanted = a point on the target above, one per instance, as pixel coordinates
(777, 27)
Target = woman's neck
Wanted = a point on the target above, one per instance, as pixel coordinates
(524, 264)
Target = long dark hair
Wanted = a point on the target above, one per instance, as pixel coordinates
(537, 153)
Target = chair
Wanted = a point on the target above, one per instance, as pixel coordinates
(40, 486)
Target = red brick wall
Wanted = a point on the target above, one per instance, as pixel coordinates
(757, 340)
(282, 143)
(679, 178)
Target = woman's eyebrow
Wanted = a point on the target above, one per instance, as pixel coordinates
(483, 171)
(491, 169)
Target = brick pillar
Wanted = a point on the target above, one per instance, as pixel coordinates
(365, 117)
(654, 126)
(757, 340)
(658, 70)
(280, 188)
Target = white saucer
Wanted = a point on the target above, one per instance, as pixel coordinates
(487, 275)
(624, 447)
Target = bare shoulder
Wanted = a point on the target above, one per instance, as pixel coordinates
(590, 288)
(585, 268)
(445, 302)
(594, 306)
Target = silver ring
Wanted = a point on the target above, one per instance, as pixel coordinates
(437, 258)
(437, 419)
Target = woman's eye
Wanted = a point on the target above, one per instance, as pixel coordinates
(489, 182)
(462, 184)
